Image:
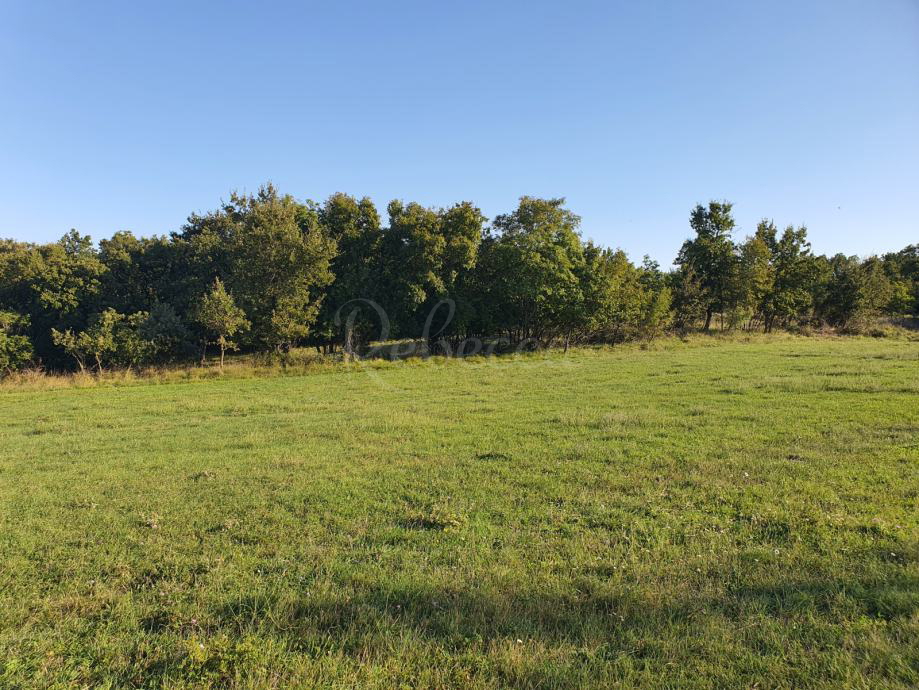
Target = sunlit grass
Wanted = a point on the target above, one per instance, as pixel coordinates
(711, 513)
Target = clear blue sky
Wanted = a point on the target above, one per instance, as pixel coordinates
(131, 115)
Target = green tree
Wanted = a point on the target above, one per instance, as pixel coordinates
(613, 295)
(462, 226)
(655, 315)
(540, 259)
(689, 298)
(167, 334)
(221, 319)
(96, 343)
(355, 228)
(59, 285)
(902, 269)
(856, 293)
(413, 251)
(710, 255)
(794, 273)
(273, 254)
(756, 274)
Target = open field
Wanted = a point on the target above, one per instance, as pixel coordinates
(737, 514)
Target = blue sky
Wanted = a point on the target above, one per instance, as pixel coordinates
(131, 115)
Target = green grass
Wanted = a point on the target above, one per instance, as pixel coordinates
(738, 514)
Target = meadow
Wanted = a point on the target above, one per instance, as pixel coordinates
(708, 514)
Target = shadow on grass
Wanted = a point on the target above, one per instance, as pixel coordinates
(454, 617)
(585, 634)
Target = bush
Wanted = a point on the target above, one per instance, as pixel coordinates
(15, 349)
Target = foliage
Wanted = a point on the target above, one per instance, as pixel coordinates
(220, 318)
(15, 347)
(334, 276)
(537, 292)
(710, 255)
(169, 337)
(274, 257)
(110, 338)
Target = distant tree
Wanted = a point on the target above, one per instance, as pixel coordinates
(875, 290)
(903, 295)
(794, 271)
(462, 226)
(657, 301)
(651, 275)
(273, 254)
(655, 315)
(167, 334)
(614, 295)
(412, 273)
(132, 348)
(710, 254)
(856, 292)
(902, 269)
(540, 259)
(221, 319)
(689, 298)
(756, 273)
(355, 228)
(58, 285)
(110, 336)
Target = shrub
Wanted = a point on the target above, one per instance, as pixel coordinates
(15, 348)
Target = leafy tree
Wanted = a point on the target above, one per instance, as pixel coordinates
(856, 292)
(710, 254)
(168, 336)
(874, 290)
(110, 336)
(783, 286)
(656, 301)
(132, 348)
(427, 257)
(655, 315)
(142, 272)
(902, 269)
(462, 227)
(355, 228)
(221, 319)
(413, 251)
(689, 298)
(613, 295)
(58, 285)
(273, 254)
(541, 257)
(756, 273)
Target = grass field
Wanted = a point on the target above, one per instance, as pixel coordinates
(730, 514)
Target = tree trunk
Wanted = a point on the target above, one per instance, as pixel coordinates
(708, 319)
(567, 341)
(223, 350)
(349, 339)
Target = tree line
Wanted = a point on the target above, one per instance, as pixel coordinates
(266, 272)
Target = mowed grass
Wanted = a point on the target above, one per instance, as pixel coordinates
(739, 514)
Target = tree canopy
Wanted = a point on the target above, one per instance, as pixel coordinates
(266, 272)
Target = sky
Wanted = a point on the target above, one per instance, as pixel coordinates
(129, 116)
